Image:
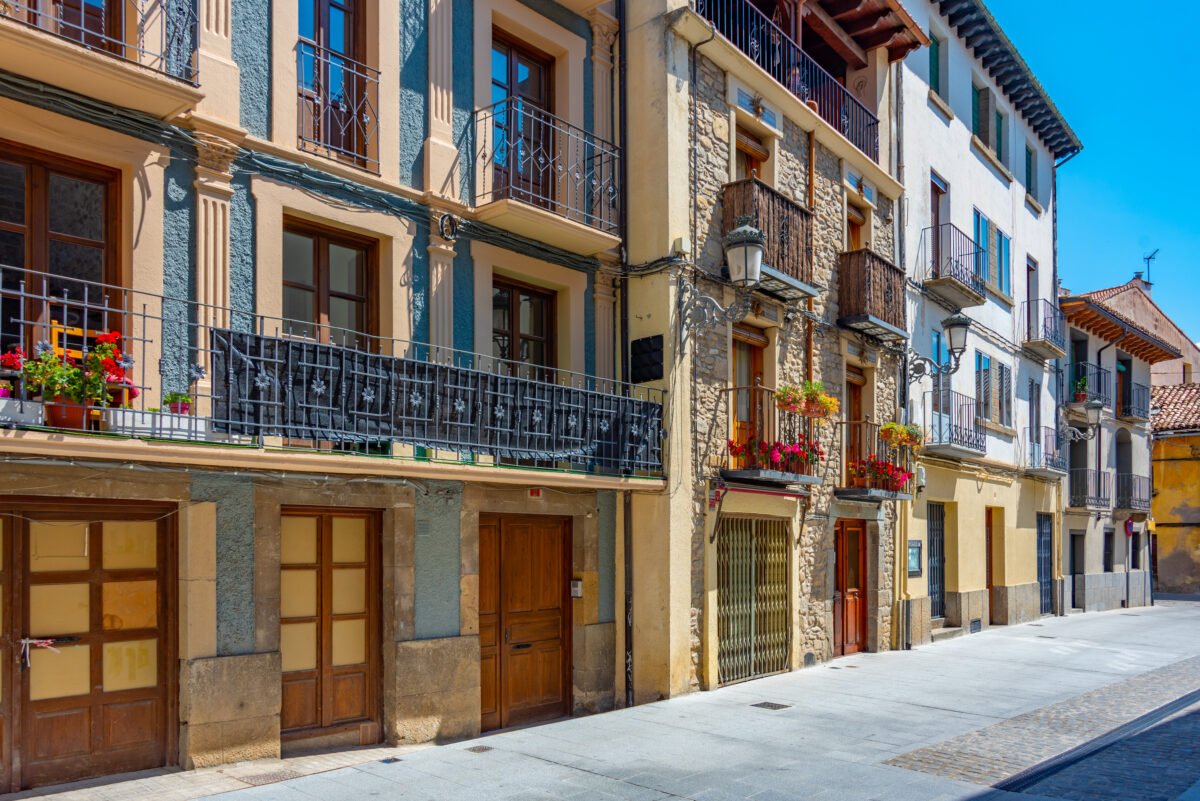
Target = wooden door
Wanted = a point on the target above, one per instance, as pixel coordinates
(850, 596)
(748, 406)
(328, 627)
(855, 440)
(90, 595)
(524, 619)
(937, 191)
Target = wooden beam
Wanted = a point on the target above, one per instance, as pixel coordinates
(874, 40)
(865, 23)
(840, 8)
(830, 31)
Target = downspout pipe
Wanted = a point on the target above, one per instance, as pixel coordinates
(627, 501)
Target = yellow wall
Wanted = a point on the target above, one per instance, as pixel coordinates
(1177, 512)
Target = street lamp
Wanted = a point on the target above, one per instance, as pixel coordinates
(1093, 409)
(955, 327)
(744, 247)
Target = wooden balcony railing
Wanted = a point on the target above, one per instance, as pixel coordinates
(872, 464)
(768, 442)
(870, 286)
(786, 225)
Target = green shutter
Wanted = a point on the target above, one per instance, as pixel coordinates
(975, 110)
(999, 136)
(1029, 170)
(935, 64)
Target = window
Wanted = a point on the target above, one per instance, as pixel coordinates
(997, 142)
(856, 223)
(750, 155)
(1002, 277)
(993, 390)
(522, 126)
(1031, 172)
(1109, 535)
(58, 220)
(338, 93)
(522, 323)
(977, 109)
(1135, 552)
(935, 65)
(980, 226)
(327, 280)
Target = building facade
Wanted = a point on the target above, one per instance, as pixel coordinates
(1105, 547)
(1175, 543)
(310, 326)
(981, 143)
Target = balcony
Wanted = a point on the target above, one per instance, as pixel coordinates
(258, 382)
(1044, 330)
(1089, 489)
(786, 225)
(338, 113)
(1047, 456)
(541, 177)
(872, 470)
(952, 265)
(768, 444)
(764, 43)
(1133, 492)
(1086, 382)
(954, 425)
(146, 48)
(1133, 402)
(871, 295)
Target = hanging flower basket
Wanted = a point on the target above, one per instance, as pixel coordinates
(788, 398)
(815, 409)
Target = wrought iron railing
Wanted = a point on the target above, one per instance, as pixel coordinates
(1086, 381)
(870, 461)
(870, 284)
(953, 420)
(526, 153)
(1046, 451)
(1044, 322)
(338, 105)
(262, 381)
(752, 32)
(1133, 401)
(946, 251)
(1090, 488)
(159, 34)
(764, 437)
(1133, 492)
(786, 225)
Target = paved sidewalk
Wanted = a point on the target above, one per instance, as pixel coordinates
(1018, 694)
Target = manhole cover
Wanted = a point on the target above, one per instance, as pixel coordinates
(259, 779)
(771, 705)
(479, 749)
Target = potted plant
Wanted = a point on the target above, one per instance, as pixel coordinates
(789, 398)
(892, 434)
(68, 387)
(913, 436)
(1081, 387)
(6, 388)
(817, 403)
(178, 402)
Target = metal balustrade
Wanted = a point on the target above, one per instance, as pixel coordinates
(1046, 450)
(763, 437)
(871, 463)
(953, 421)
(870, 285)
(1089, 488)
(1133, 492)
(752, 32)
(785, 224)
(338, 105)
(526, 153)
(1133, 401)
(255, 380)
(1044, 322)
(946, 251)
(161, 35)
(1087, 382)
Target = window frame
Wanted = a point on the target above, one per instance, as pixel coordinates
(550, 321)
(935, 64)
(323, 236)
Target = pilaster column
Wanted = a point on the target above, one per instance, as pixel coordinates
(217, 72)
(213, 190)
(441, 292)
(604, 35)
(441, 154)
(604, 296)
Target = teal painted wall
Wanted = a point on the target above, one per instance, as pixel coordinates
(251, 32)
(437, 561)
(414, 83)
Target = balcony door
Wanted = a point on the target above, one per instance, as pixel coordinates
(749, 410)
(523, 327)
(523, 127)
(59, 224)
(332, 81)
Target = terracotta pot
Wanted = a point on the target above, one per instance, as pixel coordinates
(61, 413)
(180, 407)
(1080, 397)
(812, 104)
(814, 409)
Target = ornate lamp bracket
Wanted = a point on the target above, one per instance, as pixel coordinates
(700, 312)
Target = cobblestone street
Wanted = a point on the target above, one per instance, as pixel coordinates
(1092, 706)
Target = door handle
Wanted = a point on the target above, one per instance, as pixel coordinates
(506, 635)
(521, 646)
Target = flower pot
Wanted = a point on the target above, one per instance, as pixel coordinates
(1080, 397)
(6, 392)
(812, 104)
(61, 413)
(814, 409)
(790, 407)
(180, 407)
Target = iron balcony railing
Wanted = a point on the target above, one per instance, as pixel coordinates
(1087, 382)
(752, 32)
(1090, 488)
(954, 421)
(526, 153)
(1044, 322)
(338, 105)
(1133, 401)
(1133, 492)
(1046, 451)
(872, 463)
(161, 35)
(946, 251)
(870, 284)
(254, 380)
(786, 225)
(763, 437)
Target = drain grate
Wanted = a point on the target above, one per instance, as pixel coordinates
(259, 779)
(1046, 637)
(479, 749)
(771, 705)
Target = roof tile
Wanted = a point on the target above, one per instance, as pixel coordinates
(1175, 407)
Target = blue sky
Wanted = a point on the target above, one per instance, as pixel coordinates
(1122, 75)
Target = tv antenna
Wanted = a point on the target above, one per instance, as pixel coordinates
(1149, 259)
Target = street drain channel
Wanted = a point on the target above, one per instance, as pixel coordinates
(771, 705)
(479, 749)
(259, 779)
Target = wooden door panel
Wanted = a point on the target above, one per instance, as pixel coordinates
(299, 707)
(850, 607)
(129, 724)
(536, 626)
(489, 624)
(350, 696)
